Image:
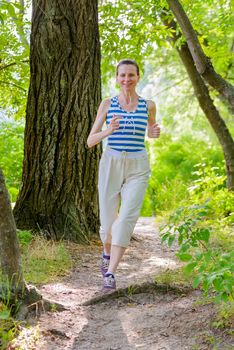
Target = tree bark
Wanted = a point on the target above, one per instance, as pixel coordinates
(207, 105)
(202, 62)
(13, 287)
(58, 194)
(9, 245)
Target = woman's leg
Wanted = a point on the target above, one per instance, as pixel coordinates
(117, 253)
(107, 248)
(109, 186)
(132, 195)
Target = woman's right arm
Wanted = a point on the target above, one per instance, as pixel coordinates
(97, 134)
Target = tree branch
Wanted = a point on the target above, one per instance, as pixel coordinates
(202, 62)
(205, 101)
(12, 64)
(7, 83)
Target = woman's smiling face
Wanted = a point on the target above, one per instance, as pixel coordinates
(127, 77)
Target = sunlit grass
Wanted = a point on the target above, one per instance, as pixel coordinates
(225, 317)
(45, 261)
(174, 277)
(222, 237)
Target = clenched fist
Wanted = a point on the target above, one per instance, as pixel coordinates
(114, 123)
(154, 131)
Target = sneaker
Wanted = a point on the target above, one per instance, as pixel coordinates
(109, 282)
(105, 264)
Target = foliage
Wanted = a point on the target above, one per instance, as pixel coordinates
(213, 270)
(193, 226)
(15, 335)
(210, 184)
(11, 155)
(135, 29)
(225, 316)
(14, 65)
(213, 21)
(25, 237)
(8, 326)
(172, 170)
(126, 26)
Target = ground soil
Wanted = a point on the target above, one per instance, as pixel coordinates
(154, 320)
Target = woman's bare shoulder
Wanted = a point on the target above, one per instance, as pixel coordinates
(103, 108)
(151, 104)
(106, 102)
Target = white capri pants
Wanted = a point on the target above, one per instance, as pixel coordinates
(123, 179)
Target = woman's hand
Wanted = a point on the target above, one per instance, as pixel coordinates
(114, 123)
(154, 131)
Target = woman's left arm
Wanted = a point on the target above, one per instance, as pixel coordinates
(153, 127)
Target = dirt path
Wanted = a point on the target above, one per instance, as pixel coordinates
(151, 321)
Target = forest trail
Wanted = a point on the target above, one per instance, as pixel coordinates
(154, 320)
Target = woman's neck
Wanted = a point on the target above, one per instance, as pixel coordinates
(128, 98)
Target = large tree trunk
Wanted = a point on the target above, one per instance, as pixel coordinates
(58, 194)
(207, 105)
(203, 64)
(9, 245)
(13, 287)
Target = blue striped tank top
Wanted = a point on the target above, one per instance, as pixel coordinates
(130, 136)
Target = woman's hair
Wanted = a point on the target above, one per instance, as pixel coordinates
(128, 61)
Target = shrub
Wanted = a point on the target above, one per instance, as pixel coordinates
(193, 226)
(172, 170)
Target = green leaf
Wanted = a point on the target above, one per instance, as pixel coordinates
(164, 237)
(190, 267)
(180, 239)
(202, 267)
(197, 280)
(1, 19)
(11, 10)
(224, 296)
(218, 285)
(171, 240)
(203, 235)
(229, 287)
(4, 315)
(205, 284)
(202, 213)
(184, 256)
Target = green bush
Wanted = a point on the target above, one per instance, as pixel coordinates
(210, 184)
(173, 158)
(172, 170)
(213, 269)
(25, 237)
(196, 227)
(11, 155)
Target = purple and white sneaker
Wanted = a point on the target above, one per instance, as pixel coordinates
(105, 264)
(109, 282)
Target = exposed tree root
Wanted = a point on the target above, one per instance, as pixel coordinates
(33, 302)
(147, 287)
